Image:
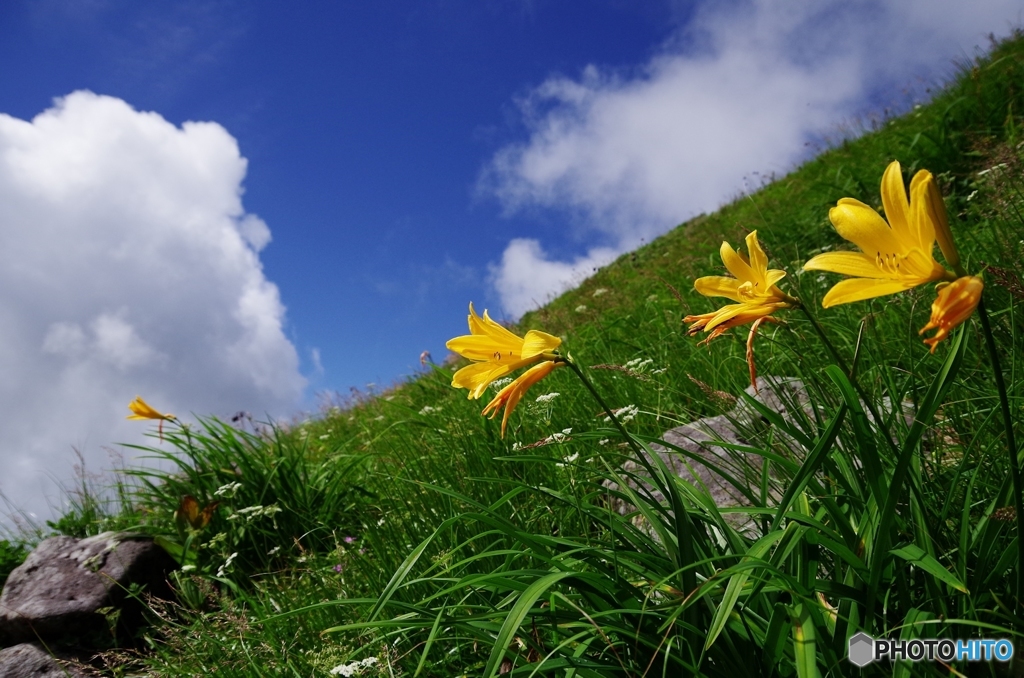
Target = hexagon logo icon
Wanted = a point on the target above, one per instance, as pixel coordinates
(862, 649)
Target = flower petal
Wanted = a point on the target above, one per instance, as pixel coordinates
(735, 264)
(857, 289)
(478, 376)
(758, 259)
(926, 209)
(855, 264)
(718, 286)
(894, 199)
(509, 396)
(537, 342)
(864, 227)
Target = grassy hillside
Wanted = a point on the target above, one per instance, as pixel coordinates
(405, 533)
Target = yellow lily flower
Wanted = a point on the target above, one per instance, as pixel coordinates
(894, 256)
(509, 396)
(496, 352)
(141, 410)
(954, 304)
(753, 287)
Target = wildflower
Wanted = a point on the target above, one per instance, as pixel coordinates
(954, 304)
(581, 308)
(188, 513)
(599, 291)
(141, 410)
(349, 540)
(509, 396)
(354, 668)
(547, 397)
(228, 491)
(894, 256)
(753, 287)
(497, 352)
(338, 568)
(226, 567)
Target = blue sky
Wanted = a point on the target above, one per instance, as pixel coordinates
(228, 206)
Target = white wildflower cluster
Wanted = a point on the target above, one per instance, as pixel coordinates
(251, 513)
(325, 436)
(228, 491)
(547, 397)
(581, 308)
(427, 409)
(226, 567)
(379, 418)
(603, 441)
(639, 364)
(353, 668)
(499, 384)
(625, 414)
(516, 446)
(599, 291)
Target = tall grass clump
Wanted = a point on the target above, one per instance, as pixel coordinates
(878, 490)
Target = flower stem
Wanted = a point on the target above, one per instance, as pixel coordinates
(685, 533)
(850, 374)
(1011, 444)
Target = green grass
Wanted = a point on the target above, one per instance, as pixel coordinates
(406, 529)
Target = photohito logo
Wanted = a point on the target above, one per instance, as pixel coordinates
(864, 649)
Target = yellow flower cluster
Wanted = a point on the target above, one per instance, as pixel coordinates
(893, 256)
(497, 352)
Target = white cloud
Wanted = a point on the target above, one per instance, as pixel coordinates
(740, 89)
(528, 279)
(128, 265)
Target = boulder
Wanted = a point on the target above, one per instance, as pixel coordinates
(29, 660)
(704, 456)
(75, 592)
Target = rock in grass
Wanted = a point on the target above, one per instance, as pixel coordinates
(76, 592)
(29, 660)
(703, 453)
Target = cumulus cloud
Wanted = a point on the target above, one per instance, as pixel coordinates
(128, 265)
(739, 90)
(527, 278)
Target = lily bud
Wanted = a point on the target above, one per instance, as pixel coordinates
(954, 304)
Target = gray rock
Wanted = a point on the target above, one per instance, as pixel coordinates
(66, 585)
(705, 459)
(29, 660)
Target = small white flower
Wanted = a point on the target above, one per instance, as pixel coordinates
(273, 550)
(427, 409)
(581, 308)
(499, 384)
(547, 397)
(517, 446)
(603, 441)
(188, 568)
(599, 291)
(380, 418)
(624, 414)
(228, 491)
(226, 567)
(639, 364)
(353, 668)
